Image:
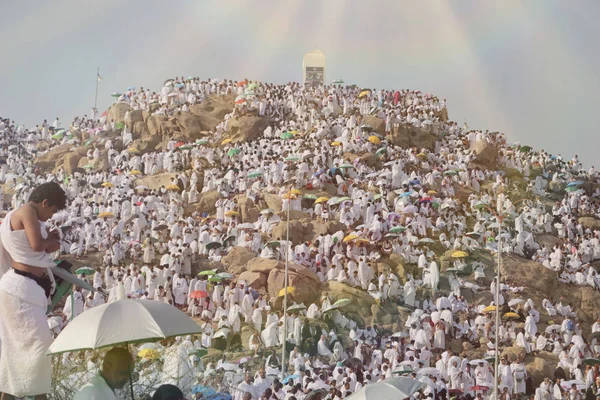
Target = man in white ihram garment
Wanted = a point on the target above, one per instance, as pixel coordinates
(24, 289)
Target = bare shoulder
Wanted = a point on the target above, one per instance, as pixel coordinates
(21, 216)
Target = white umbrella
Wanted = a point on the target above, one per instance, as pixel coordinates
(514, 302)
(121, 322)
(551, 328)
(429, 371)
(392, 388)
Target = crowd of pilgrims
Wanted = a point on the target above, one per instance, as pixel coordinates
(148, 243)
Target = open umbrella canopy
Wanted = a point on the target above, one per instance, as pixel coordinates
(337, 81)
(287, 135)
(85, 271)
(398, 387)
(321, 200)
(364, 93)
(426, 240)
(254, 175)
(208, 272)
(336, 144)
(116, 94)
(234, 152)
(290, 290)
(106, 214)
(374, 139)
(107, 184)
(172, 187)
(381, 151)
(489, 309)
(121, 322)
(397, 229)
(198, 294)
(133, 150)
(460, 254)
(135, 172)
(511, 315)
(591, 361)
(226, 141)
(350, 238)
(213, 245)
(232, 213)
(342, 302)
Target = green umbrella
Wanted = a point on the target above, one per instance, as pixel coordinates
(57, 136)
(254, 175)
(213, 245)
(525, 149)
(572, 189)
(426, 240)
(397, 229)
(435, 205)
(337, 82)
(292, 158)
(342, 302)
(214, 278)
(274, 243)
(340, 200)
(119, 125)
(392, 235)
(234, 152)
(202, 141)
(450, 173)
(346, 166)
(591, 361)
(85, 271)
(377, 196)
(481, 206)
(61, 132)
(88, 142)
(115, 94)
(208, 272)
(185, 148)
(310, 196)
(381, 151)
(88, 166)
(287, 135)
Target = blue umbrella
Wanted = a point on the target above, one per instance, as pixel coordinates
(405, 194)
(576, 183)
(319, 172)
(414, 182)
(204, 391)
(287, 378)
(131, 88)
(179, 85)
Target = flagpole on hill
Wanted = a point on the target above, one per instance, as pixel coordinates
(98, 79)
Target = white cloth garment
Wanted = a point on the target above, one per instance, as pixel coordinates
(97, 389)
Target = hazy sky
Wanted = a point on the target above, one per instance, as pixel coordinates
(527, 68)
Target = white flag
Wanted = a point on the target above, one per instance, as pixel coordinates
(99, 78)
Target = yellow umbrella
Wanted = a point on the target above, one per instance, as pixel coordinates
(362, 240)
(135, 172)
(432, 192)
(510, 315)
(295, 191)
(106, 214)
(289, 196)
(294, 132)
(421, 155)
(224, 142)
(321, 200)
(172, 187)
(148, 353)
(489, 309)
(364, 93)
(290, 290)
(336, 144)
(133, 150)
(350, 237)
(374, 139)
(108, 184)
(460, 254)
(231, 213)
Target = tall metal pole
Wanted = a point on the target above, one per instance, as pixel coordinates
(496, 366)
(285, 284)
(96, 98)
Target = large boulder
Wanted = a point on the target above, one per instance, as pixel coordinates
(371, 160)
(486, 155)
(155, 182)
(154, 124)
(71, 162)
(248, 210)
(190, 125)
(247, 128)
(411, 136)
(540, 367)
(556, 187)
(374, 122)
(133, 117)
(359, 299)
(306, 283)
(235, 261)
(262, 265)
(117, 112)
(296, 231)
(255, 280)
(207, 200)
(590, 222)
(273, 201)
(212, 110)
